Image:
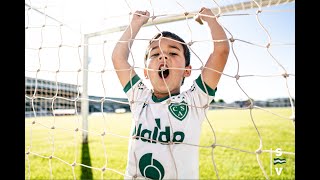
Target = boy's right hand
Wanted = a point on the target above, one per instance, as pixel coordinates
(140, 18)
(205, 14)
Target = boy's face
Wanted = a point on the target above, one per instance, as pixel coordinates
(168, 55)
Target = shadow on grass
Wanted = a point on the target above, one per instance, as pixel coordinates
(86, 173)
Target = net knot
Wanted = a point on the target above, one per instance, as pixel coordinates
(251, 105)
(103, 134)
(73, 164)
(213, 145)
(135, 176)
(153, 17)
(169, 101)
(190, 43)
(268, 45)
(103, 169)
(52, 127)
(237, 77)
(33, 122)
(259, 151)
(186, 14)
(205, 106)
(231, 39)
(285, 75)
(76, 130)
(50, 157)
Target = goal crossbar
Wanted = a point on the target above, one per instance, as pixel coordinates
(223, 9)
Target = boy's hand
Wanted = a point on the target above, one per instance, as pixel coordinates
(204, 15)
(140, 18)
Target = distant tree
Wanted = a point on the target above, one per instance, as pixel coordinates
(268, 104)
(221, 101)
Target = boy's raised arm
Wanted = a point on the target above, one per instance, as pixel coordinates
(121, 50)
(218, 58)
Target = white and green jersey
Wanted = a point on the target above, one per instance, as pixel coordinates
(166, 131)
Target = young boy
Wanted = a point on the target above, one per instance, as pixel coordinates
(167, 124)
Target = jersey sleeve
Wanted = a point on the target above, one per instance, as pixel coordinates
(201, 95)
(135, 90)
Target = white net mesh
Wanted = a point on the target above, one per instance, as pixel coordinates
(69, 66)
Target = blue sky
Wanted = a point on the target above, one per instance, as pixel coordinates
(252, 60)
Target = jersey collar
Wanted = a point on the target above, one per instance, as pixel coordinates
(155, 99)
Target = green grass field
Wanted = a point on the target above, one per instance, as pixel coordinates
(233, 128)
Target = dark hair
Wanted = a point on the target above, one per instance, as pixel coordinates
(173, 36)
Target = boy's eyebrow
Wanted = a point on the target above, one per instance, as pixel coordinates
(171, 46)
(175, 47)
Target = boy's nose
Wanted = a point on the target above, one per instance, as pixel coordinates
(163, 56)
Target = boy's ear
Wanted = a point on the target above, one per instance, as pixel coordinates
(145, 73)
(187, 71)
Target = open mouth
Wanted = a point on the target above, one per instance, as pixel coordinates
(163, 71)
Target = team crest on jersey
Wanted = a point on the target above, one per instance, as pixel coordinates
(179, 110)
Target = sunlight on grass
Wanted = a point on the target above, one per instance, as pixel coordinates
(232, 128)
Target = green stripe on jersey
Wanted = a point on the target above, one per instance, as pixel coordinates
(211, 92)
(134, 80)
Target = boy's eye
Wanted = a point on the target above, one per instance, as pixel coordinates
(155, 55)
(173, 54)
